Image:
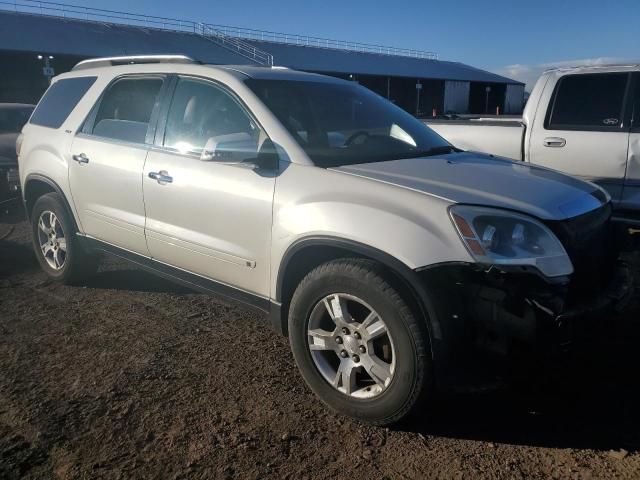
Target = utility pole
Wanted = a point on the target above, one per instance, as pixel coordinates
(487, 90)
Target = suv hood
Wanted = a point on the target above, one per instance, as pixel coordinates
(480, 179)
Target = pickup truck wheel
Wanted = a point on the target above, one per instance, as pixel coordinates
(357, 343)
(55, 242)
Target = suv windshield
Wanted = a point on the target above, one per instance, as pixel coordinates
(342, 123)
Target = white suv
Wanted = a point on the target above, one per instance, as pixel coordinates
(393, 261)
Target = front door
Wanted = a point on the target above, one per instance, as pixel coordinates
(631, 193)
(210, 214)
(107, 161)
(584, 132)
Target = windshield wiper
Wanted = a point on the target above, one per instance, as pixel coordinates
(440, 150)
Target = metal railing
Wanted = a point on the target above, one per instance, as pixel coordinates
(320, 42)
(237, 45)
(233, 38)
(78, 12)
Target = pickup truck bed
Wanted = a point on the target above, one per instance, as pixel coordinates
(499, 137)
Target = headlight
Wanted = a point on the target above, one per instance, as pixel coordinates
(501, 237)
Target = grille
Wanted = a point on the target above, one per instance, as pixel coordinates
(588, 239)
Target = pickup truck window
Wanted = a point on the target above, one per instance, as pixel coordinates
(588, 102)
(345, 124)
(204, 115)
(59, 100)
(125, 109)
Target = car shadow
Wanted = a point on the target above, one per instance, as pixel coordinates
(15, 258)
(592, 401)
(131, 279)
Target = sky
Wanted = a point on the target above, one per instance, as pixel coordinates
(514, 38)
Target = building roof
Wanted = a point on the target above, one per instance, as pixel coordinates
(56, 35)
(344, 61)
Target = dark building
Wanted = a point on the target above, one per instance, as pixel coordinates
(49, 38)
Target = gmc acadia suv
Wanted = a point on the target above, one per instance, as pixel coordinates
(389, 257)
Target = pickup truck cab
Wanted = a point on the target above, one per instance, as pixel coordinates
(584, 121)
(391, 259)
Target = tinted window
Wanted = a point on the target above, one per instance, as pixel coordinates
(636, 106)
(204, 115)
(589, 101)
(125, 109)
(59, 100)
(13, 117)
(343, 123)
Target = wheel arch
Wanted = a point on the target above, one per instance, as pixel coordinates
(37, 185)
(307, 253)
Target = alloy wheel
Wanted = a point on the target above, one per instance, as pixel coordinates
(351, 346)
(51, 239)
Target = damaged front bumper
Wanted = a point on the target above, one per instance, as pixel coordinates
(494, 324)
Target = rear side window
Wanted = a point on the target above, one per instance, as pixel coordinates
(59, 100)
(588, 102)
(125, 110)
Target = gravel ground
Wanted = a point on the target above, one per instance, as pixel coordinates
(132, 377)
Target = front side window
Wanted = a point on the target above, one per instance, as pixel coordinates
(125, 110)
(205, 119)
(589, 101)
(342, 123)
(59, 100)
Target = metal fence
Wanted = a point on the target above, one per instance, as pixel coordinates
(231, 37)
(320, 42)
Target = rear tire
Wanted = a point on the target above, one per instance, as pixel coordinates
(56, 244)
(375, 365)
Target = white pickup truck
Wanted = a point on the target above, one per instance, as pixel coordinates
(584, 121)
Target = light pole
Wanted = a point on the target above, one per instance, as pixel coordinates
(47, 69)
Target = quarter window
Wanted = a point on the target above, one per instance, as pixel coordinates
(593, 101)
(125, 110)
(59, 100)
(205, 118)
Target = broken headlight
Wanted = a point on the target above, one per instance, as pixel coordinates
(502, 237)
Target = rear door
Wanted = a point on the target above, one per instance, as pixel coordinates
(108, 159)
(585, 130)
(631, 193)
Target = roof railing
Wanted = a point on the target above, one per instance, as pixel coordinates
(222, 33)
(132, 59)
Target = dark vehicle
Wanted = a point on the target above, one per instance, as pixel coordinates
(13, 116)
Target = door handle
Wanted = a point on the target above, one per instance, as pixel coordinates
(162, 177)
(556, 142)
(80, 158)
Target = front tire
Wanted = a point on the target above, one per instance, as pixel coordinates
(55, 242)
(357, 343)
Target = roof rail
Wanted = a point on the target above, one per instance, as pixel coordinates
(111, 61)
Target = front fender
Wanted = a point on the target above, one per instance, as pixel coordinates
(411, 227)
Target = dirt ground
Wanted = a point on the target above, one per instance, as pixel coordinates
(132, 377)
